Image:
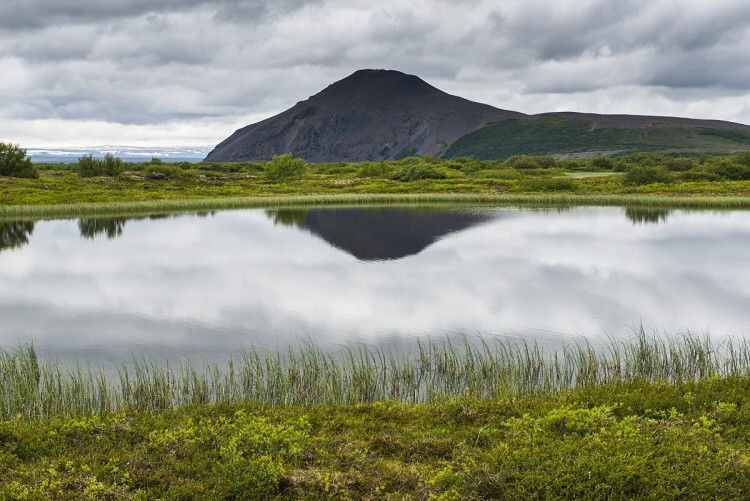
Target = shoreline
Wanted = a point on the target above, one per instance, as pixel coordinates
(342, 200)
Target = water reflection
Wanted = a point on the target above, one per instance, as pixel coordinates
(15, 234)
(197, 286)
(380, 234)
(111, 228)
(647, 215)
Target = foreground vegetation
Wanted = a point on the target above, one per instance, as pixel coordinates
(643, 420)
(109, 186)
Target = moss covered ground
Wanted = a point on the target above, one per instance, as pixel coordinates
(633, 440)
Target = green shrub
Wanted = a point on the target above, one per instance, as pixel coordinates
(602, 163)
(507, 173)
(699, 174)
(374, 169)
(15, 163)
(529, 162)
(639, 175)
(743, 158)
(88, 166)
(680, 164)
(285, 167)
(726, 169)
(416, 172)
(644, 159)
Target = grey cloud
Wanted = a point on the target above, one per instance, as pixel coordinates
(35, 14)
(154, 62)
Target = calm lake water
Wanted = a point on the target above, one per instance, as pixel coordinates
(212, 283)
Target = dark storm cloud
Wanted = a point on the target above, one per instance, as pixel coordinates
(156, 62)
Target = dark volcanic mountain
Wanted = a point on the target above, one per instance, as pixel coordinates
(375, 114)
(371, 114)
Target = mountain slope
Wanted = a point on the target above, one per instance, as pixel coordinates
(369, 115)
(565, 133)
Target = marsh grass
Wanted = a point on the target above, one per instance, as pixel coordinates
(431, 371)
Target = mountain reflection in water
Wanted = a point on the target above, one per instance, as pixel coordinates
(380, 234)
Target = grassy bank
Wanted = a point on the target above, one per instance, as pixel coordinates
(430, 371)
(646, 418)
(86, 209)
(640, 179)
(627, 440)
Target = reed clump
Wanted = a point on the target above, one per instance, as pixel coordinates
(432, 371)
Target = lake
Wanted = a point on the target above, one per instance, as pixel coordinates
(208, 284)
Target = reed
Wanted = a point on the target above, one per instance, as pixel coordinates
(204, 204)
(432, 371)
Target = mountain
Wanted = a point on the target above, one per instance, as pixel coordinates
(371, 114)
(580, 134)
(375, 114)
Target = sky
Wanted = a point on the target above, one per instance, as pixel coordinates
(190, 72)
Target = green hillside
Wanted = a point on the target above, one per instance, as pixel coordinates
(554, 133)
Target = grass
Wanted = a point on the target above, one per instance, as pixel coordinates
(433, 371)
(643, 419)
(533, 199)
(711, 182)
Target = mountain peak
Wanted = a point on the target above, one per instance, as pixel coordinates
(371, 114)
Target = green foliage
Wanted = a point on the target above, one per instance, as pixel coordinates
(285, 168)
(88, 166)
(374, 169)
(643, 174)
(602, 163)
(743, 158)
(416, 172)
(622, 440)
(680, 164)
(15, 163)
(727, 168)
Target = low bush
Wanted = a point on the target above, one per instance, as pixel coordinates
(416, 172)
(602, 163)
(15, 163)
(530, 162)
(727, 169)
(374, 169)
(285, 167)
(639, 175)
(743, 158)
(507, 173)
(88, 166)
(548, 184)
(680, 164)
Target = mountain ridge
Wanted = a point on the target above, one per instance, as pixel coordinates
(373, 114)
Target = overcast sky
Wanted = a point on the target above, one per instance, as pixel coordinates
(179, 72)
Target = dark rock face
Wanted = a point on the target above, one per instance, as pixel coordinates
(369, 115)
